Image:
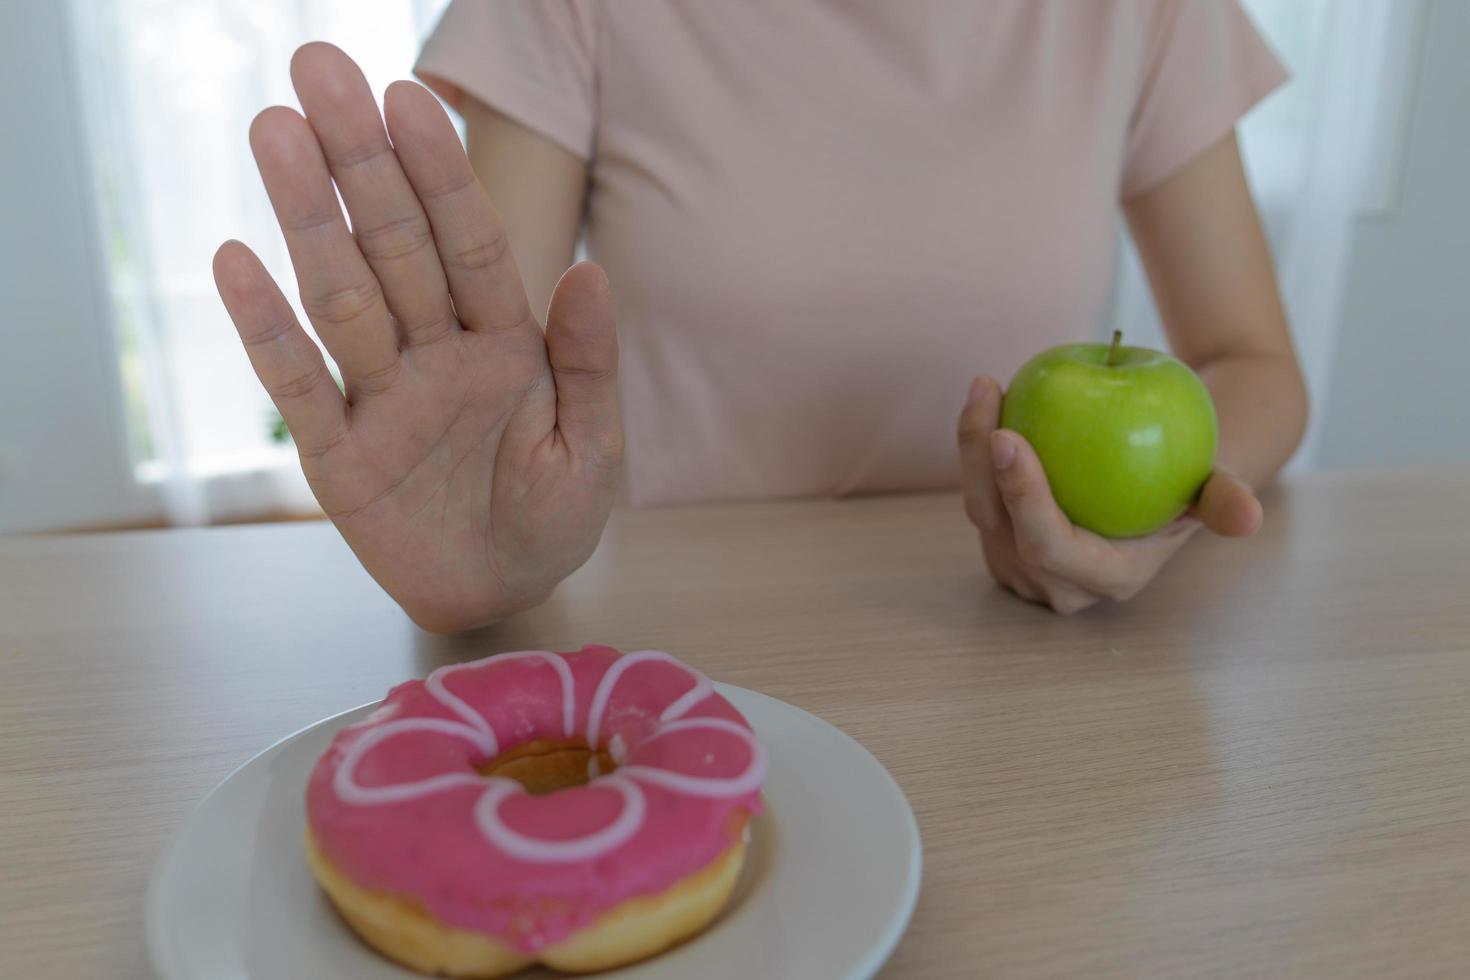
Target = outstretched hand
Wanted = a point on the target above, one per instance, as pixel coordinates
(1032, 548)
(473, 460)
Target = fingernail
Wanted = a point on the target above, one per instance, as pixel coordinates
(1002, 450)
(978, 390)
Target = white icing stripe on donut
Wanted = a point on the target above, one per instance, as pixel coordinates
(344, 780)
(747, 781)
(434, 684)
(523, 848)
(563, 672)
(701, 689)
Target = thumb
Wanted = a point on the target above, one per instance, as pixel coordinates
(1228, 506)
(582, 345)
(981, 417)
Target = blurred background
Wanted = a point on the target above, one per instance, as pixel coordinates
(126, 400)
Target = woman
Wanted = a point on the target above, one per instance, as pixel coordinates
(822, 220)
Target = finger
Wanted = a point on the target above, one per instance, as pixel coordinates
(1004, 566)
(1006, 571)
(388, 222)
(1067, 601)
(583, 347)
(1055, 594)
(1045, 538)
(1228, 506)
(472, 244)
(288, 362)
(1037, 586)
(978, 420)
(339, 292)
(1023, 588)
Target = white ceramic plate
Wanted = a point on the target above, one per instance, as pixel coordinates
(831, 879)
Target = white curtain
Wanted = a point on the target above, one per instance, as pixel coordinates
(170, 87)
(1306, 150)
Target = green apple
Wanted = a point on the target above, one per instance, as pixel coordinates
(1126, 435)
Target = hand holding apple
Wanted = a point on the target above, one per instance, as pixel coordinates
(1030, 543)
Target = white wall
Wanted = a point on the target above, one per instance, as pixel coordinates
(1399, 393)
(63, 451)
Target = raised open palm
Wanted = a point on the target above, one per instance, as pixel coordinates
(473, 461)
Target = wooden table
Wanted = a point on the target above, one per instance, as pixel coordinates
(1261, 767)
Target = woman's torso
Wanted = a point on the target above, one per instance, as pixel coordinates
(822, 220)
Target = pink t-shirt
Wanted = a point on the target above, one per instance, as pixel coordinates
(822, 219)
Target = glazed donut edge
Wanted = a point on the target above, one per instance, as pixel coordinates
(640, 927)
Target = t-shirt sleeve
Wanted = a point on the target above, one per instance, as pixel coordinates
(1205, 67)
(534, 61)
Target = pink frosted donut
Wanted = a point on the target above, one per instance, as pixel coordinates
(417, 847)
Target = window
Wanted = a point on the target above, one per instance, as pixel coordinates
(1312, 37)
(169, 88)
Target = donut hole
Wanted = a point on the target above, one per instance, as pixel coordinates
(545, 767)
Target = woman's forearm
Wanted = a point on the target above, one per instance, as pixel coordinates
(1261, 403)
(538, 187)
(1209, 264)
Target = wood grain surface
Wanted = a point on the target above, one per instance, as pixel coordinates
(1261, 767)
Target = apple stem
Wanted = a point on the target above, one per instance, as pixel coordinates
(1112, 360)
